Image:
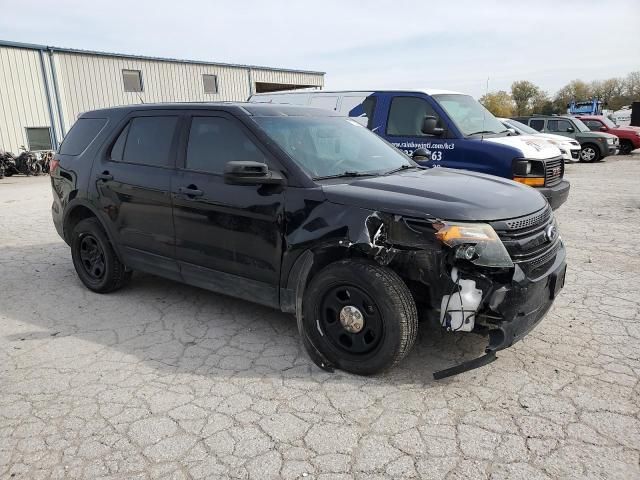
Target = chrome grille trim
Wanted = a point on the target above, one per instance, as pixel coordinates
(553, 171)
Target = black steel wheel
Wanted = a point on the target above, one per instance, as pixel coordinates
(351, 319)
(360, 316)
(94, 259)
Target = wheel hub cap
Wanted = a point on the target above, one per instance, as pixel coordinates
(351, 319)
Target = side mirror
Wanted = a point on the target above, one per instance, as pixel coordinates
(603, 128)
(570, 130)
(251, 173)
(512, 131)
(421, 155)
(429, 126)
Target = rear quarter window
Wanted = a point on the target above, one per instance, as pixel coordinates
(83, 132)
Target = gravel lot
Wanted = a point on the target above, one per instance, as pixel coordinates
(162, 380)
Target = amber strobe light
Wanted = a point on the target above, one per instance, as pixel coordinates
(531, 181)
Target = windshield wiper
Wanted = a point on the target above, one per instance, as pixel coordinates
(481, 131)
(348, 173)
(400, 168)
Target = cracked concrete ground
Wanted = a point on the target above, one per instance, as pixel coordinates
(162, 380)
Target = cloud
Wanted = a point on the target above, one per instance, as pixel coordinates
(455, 45)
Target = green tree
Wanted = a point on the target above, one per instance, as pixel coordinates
(522, 92)
(499, 103)
(575, 90)
(542, 104)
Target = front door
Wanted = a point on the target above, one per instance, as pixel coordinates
(133, 181)
(562, 127)
(401, 125)
(228, 237)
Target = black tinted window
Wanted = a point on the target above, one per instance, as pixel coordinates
(592, 124)
(81, 135)
(406, 116)
(149, 140)
(537, 124)
(118, 148)
(214, 141)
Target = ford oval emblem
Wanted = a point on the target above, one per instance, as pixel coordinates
(551, 233)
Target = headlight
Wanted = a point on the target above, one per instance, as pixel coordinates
(610, 141)
(638, 133)
(475, 242)
(529, 172)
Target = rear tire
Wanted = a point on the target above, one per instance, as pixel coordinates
(382, 306)
(590, 153)
(94, 259)
(626, 147)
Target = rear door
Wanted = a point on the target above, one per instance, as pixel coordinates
(133, 181)
(229, 237)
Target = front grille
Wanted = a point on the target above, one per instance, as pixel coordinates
(553, 172)
(526, 240)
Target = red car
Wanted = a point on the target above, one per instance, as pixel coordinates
(629, 136)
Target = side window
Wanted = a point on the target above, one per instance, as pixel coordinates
(214, 141)
(359, 107)
(147, 141)
(406, 116)
(83, 132)
(117, 151)
(561, 126)
(536, 124)
(593, 124)
(326, 102)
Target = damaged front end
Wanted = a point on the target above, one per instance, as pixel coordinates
(491, 278)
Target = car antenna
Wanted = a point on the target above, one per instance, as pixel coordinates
(484, 114)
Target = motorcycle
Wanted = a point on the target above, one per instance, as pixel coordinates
(45, 161)
(26, 163)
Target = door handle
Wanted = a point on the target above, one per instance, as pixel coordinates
(104, 176)
(190, 191)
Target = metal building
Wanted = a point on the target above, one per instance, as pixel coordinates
(43, 89)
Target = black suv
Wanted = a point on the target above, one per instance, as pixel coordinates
(306, 211)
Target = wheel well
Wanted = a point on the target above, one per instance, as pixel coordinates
(76, 215)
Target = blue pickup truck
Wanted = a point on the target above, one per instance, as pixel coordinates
(440, 128)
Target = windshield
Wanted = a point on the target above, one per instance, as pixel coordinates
(333, 146)
(521, 127)
(607, 121)
(469, 115)
(580, 125)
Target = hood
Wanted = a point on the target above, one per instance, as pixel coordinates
(530, 146)
(556, 138)
(627, 128)
(591, 134)
(440, 193)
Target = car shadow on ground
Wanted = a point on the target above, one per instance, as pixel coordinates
(174, 328)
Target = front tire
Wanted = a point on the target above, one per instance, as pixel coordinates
(590, 153)
(94, 259)
(626, 147)
(360, 315)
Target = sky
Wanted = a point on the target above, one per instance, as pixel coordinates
(456, 45)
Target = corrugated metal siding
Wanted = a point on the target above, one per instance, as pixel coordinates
(23, 100)
(287, 78)
(89, 81)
